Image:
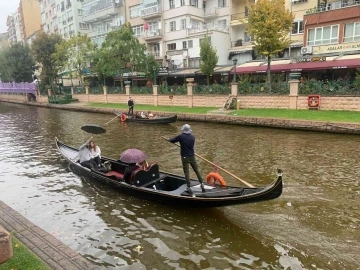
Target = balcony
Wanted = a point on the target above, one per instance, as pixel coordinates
(64, 22)
(150, 36)
(71, 33)
(151, 12)
(333, 6)
(202, 29)
(56, 28)
(101, 9)
(70, 19)
(239, 18)
(156, 54)
(211, 13)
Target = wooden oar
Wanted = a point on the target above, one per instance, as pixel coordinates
(229, 173)
(111, 120)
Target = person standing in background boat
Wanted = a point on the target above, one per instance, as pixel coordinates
(131, 105)
(187, 143)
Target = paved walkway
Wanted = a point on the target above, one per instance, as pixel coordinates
(53, 252)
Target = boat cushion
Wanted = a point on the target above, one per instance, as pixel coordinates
(141, 177)
(118, 175)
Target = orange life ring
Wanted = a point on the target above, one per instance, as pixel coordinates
(212, 177)
(123, 117)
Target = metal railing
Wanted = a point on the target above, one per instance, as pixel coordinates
(248, 88)
(215, 89)
(141, 90)
(341, 87)
(152, 10)
(239, 16)
(211, 12)
(115, 90)
(204, 28)
(333, 6)
(99, 5)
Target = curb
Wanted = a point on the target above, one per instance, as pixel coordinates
(53, 252)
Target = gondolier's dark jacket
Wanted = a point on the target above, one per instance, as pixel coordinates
(130, 102)
(187, 142)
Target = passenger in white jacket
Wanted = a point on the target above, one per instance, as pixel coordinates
(89, 156)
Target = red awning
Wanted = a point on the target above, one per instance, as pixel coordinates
(302, 66)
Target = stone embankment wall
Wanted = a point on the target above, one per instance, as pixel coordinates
(333, 127)
(291, 101)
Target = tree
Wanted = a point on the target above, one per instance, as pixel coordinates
(74, 54)
(151, 67)
(17, 63)
(269, 23)
(121, 50)
(43, 47)
(208, 57)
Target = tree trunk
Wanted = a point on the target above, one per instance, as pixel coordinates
(208, 80)
(268, 73)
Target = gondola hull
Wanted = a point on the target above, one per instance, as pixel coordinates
(157, 120)
(173, 191)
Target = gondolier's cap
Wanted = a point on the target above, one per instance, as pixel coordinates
(186, 129)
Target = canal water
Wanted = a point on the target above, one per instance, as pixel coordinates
(313, 225)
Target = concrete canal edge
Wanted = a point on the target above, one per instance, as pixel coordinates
(53, 252)
(322, 126)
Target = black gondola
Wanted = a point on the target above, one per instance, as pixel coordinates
(168, 188)
(157, 120)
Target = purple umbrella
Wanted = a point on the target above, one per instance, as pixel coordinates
(132, 156)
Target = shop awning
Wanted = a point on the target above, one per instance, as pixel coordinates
(338, 62)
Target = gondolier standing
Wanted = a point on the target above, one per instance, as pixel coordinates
(187, 143)
(131, 106)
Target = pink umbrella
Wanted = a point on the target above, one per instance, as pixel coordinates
(132, 156)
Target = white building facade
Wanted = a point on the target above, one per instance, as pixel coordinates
(102, 17)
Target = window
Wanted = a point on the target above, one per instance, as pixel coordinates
(297, 27)
(194, 3)
(172, 26)
(153, 27)
(79, 12)
(222, 3)
(171, 4)
(135, 11)
(138, 30)
(352, 32)
(190, 43)
(171, 47)
(247, 38)
(323, 35)
(194, 62)
(183, 24)
(222, 24)
(182, 2)
(184, 45)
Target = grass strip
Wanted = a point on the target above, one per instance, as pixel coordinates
(312, 115)
(23, 258)
(145, 108)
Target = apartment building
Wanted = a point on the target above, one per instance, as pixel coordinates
(10, 23)
(187, 22)
(48, 15)
(30, 18)
(333, 29)
(68, 18)
(102, 16)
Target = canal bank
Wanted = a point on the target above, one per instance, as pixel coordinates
(219, 117)
(53, 252)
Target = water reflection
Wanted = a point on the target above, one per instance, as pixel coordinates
(115, 230)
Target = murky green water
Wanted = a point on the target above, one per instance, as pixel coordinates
(313, 225)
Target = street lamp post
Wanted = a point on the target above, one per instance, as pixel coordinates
(234, 62)
(154, 70)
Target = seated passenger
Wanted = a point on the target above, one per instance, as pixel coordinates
(150, 115)
(143, 165)
(95, 153)
(142, 115)
(128, 172)
(85, 156)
